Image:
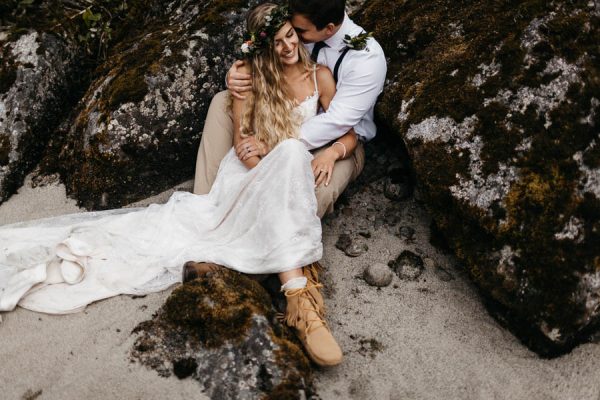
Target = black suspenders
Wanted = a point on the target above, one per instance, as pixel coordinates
(338, 63)
(315, 53)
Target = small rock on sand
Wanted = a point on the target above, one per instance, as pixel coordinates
(378, 274)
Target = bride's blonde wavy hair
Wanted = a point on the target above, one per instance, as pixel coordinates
(269, 110)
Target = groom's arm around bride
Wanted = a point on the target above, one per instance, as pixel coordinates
(359, 67)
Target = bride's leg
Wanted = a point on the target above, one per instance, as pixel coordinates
(289, 276)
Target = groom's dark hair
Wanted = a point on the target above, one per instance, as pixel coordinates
(320, 12)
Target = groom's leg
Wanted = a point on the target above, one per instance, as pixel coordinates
(217, 139)
(344, 172)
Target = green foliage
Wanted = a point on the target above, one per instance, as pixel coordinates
(98, 33)
(88, 22)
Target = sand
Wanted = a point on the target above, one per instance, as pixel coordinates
(425, 339)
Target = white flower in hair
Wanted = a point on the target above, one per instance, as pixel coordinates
(245, 48)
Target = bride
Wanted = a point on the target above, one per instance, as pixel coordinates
(259, 217)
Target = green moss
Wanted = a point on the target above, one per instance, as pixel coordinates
(212, 18)
(499, 142)
(217, 308)
(431, 63)
(128, 86)
(4, 148)
(16, 32)
(572, 33)
(130, 68)
(8, 75)
(290, 356)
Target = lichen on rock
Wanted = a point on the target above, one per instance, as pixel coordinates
(138, 128)
(34, 88)
(501, 126)
(220, 330)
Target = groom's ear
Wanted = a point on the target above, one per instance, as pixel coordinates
(330, 28)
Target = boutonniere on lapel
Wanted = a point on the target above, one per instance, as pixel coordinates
(358, 42)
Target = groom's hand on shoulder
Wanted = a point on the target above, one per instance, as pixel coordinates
(239, 80)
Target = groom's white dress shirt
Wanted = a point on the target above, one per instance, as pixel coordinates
(361, 76)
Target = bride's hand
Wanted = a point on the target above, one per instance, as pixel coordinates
(250, 147)
(322, 166)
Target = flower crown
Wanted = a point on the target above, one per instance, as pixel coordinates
(255, 42)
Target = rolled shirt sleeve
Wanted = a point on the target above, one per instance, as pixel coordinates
(361, 80)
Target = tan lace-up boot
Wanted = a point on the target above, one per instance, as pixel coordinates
(311, 272)
(303, 313)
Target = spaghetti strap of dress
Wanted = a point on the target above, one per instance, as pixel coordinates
(315, 78)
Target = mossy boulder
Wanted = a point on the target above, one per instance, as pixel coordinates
(221, 330)
(35, 91)
(139, 124)
(498, 104)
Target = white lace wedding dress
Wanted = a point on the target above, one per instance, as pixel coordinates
(261, 220)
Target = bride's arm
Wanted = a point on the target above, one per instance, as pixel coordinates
(237, 110)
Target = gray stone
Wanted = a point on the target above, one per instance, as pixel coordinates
(397, 188)
(344, 241)
(32, 105)
(221, 331)
(356, 249)
(406, 232)
(378, 274)
(505, 150)
(408, 265)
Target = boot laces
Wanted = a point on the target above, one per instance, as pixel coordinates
(312, 272)
(310, 305)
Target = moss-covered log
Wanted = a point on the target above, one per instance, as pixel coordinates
(498, 105)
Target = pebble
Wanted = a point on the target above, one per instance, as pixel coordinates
(443, 274)
(397, 185)
(356, 249)
(349, 247)
(429, 263)
(378, 274)
(343, 242)
(406, 232)
(408, 265)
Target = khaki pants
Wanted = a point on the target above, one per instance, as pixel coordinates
(217, 139)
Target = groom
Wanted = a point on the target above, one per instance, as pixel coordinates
(359, 73)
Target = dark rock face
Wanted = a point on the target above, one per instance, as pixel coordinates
(218, 330)
(136, 130)
(35, 86)
(498, 104)
(139, 125)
